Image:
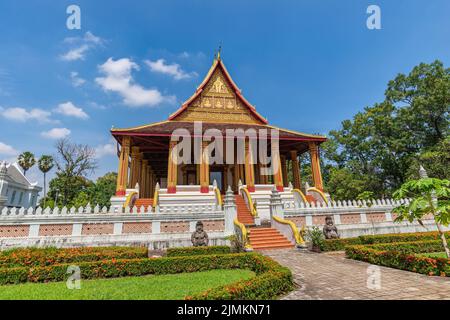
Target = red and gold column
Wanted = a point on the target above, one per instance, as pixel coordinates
(284, 170)
(277, 175)
(172, 170)
(296, 169)
(134, 178)
(122, 177)
(249, 170)
(143, 183)
(315, 165)
(204, 168)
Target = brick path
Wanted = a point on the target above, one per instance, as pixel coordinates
(332, 276)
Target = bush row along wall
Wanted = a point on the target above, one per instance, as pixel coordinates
(340, 244)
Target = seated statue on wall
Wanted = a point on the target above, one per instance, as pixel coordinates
(199, 236)
(329, 229)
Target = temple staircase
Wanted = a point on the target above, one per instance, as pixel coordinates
(260, 238)
(146, 202)
(267, 238)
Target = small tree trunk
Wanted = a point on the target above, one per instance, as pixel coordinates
(45, 190)
(443, 239)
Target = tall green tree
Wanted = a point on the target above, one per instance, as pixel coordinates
(45, 164)
(74, 162)
(381, 145)
(26, 160)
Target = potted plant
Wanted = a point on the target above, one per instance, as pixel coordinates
(316, 237)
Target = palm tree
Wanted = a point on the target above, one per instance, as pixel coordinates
(45, 164)
(26, 160)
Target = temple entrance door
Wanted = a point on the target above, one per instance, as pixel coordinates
(218, 176)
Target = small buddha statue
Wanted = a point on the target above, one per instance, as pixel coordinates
(199, 236)
(329, 229)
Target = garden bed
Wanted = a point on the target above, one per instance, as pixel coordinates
(271, 279)
(404, 256)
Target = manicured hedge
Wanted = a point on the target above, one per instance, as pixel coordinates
(390, 256)
(194, 251)
(340, 244)
(35, 257)
(410, 247)
(272, 279)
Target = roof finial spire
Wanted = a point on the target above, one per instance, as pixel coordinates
(217, 53)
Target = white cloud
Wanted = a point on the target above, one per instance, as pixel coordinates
(117, 78)
(75, 54)
(105, 150)
(71, 110)
(173, 70)
(56, 133)
(76, 79)
(7, 150)
(23, 115)
(80, 46)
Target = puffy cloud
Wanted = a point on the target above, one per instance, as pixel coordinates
(7, 150)
(105, 150)
(80, 46)
(56, 133)
(174, 70)
(69, 109)
(117, 78)
(76, 79)
(23, 115)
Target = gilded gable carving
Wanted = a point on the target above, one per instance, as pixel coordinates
(217, 103)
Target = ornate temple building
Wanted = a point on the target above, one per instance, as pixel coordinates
(147, 159)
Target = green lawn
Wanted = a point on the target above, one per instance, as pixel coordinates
(433, 255)
(166, 287)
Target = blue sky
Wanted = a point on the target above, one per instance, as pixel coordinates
(305, 65)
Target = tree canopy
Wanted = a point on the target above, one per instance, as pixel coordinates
(382, 146)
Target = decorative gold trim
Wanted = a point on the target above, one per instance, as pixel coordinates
(245, 241)
(140, 127)
(155, 198)
(314, 189)
(129, 198)
(252, 207)
(218, 196)
(298, 238)
(301, 195)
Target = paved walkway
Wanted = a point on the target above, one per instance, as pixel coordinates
(332, 276)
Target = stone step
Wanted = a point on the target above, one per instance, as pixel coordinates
(273, 246)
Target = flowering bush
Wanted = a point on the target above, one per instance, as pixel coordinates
(39, 257)
(401, 256)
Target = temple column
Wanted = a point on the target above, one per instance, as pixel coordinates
(204, 168)
(143, 179)
(225, 178)
(134, 178)
(172, 170)
(249, 170)
(315, 165)
(277, 175)
(235, 177)
(284, 170)
(263, 177)
(296, 169)
(122, 177)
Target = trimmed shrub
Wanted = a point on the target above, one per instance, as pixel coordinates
(272, 279)
(400, 256)
(40, 257)
(194, 251)
(340, 244)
